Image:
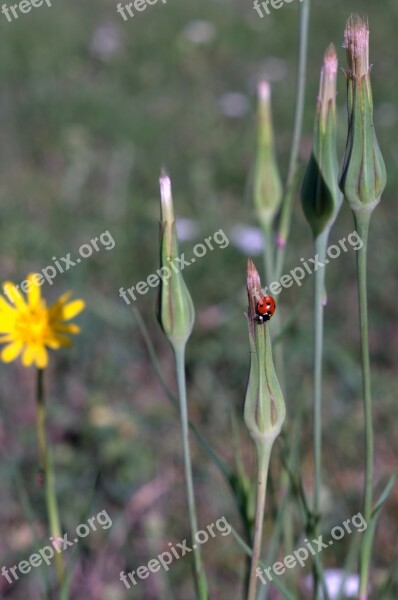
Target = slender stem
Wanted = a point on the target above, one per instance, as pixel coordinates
(268, 253)
(47, 470)
(298, 125)
(200, 577)
(263, 458)
(362, 221)
(287, 204)
(300, 96)
(320, 245)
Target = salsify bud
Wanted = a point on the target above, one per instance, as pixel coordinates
(267, 186)
(363, 174)
(176, 312)
(320, 194)
(264, 409)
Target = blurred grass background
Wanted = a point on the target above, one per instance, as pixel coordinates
(91, 107)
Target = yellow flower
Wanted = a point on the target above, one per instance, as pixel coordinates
(30, 326)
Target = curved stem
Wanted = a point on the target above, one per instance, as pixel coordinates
(263, 458)
(200, 577)
(362, 221)
(47, 470)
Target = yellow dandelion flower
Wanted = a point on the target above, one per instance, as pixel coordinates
(29, 327)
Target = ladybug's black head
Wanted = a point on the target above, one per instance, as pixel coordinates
(263, 318)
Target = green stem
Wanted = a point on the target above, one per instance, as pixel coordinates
(46, 467)
(320, 245)
(200, 577)
(287, 204)
(268, 253)
(263, 459)
(362, 221)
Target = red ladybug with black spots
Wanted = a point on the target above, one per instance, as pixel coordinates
(265, 308)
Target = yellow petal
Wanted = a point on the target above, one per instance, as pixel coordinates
(40, 357)
(13, 294)
(11, 352)
(72, 309)
(34, 293)
(6, 322)
(28, 355)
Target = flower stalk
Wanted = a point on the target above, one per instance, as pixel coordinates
(176, 316)
(321, 201)
(29, 327)
(47, 472)
(289, 192)
(363, 179)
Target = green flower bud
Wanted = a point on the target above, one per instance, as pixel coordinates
(176, 312)
(363, 174)
(267, 182)
(320, 194)
(264, 409)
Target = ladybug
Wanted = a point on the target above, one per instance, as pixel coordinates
(265, 308)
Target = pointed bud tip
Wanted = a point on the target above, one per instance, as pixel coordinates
(253, 288)
(327, 85)
(330, 61)
(264, 90)
(253, 278)
(165, 184)
(166, 197)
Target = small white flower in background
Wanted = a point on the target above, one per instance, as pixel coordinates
(234, 105)
(249, 240)
(333, 579)
(105, 42)
(187, 229)
(199, 32)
